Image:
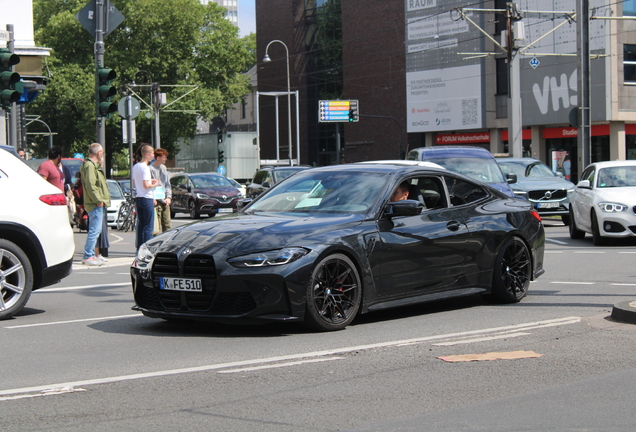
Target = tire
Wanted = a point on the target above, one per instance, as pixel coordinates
(566, 220)
(512, 273)
(597, 238)
(16, 279)
(575, 232)
(334, 294)
(121, 217)
(192, 209)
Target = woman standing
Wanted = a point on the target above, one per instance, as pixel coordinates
(144, 200)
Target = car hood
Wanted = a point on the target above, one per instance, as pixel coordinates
(218, 191)
(620, 195)
(244, 234)
(537, 184)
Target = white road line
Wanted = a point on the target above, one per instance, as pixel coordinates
(553, 252)
(627, 252)
(623, 284)
(80, 287)
(482, 339)
(43, 393)
(324, 353)
(556, 241)
(278, 365)
(74, 321)
(574, 283)
(589, 252)
(119, 238)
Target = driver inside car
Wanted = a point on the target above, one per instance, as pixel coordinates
(401, 192)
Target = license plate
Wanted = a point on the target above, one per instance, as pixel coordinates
(226, 210)
(180, 284)
(547, 205)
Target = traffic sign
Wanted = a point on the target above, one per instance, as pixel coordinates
(221, 170)
(534, 62)
(134, 105)
(86, 17)
(337, 110)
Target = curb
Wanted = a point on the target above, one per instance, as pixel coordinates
(625, 312)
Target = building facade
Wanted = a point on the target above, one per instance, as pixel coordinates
(425, 74)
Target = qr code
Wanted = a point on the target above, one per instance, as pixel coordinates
(469, 111)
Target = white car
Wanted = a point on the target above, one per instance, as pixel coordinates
(36, 240)
(604, 202)
(116, 199)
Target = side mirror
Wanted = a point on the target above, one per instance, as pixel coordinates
(559, 174)
(584, 184)
(240, 204)
(511, 178)
(403, 208)
(266, 184)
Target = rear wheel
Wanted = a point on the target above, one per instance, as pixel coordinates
(512, 271)
(16, 279)
(575, 233)
(597, 238)
(334, 294)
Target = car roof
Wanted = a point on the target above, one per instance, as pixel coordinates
(616, 163)
(446, 151)
(399, 162)
(10, 149)
(381, 167)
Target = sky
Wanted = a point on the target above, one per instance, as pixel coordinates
(247, 17)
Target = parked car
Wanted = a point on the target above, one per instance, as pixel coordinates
(327, 244)
(125, 186)
(116, 199)
(536, 182)
(474, 162)
(74, 165)
(198, 193)
(36, 240)
(268, 176)
(603, 203)
(239, 186)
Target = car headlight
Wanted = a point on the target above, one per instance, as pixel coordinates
(202, 196)
(240, 195)
(520, 194)
(145, 255)
(269, 258)
(612, 207)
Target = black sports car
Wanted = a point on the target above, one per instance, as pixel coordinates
(327, 244)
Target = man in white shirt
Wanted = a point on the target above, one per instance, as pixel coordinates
(144, 200)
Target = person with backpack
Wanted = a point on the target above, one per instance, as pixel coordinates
(96, 200)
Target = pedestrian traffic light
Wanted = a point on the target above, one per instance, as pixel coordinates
(105, 92)
(352, 115)
(9, 80)
(219, 136)
(221, 158)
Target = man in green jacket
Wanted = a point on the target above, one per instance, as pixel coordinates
(96, 200)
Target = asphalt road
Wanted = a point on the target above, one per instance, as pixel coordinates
(78, 358)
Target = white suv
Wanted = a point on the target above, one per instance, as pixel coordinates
(36, 239)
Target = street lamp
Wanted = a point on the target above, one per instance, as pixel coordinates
(266, 59)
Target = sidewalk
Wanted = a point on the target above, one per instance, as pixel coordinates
(120, 253)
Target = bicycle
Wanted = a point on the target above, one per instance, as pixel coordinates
(127, 215)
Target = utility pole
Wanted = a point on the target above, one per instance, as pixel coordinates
(99, 63)
(584, 137)
(515, 139)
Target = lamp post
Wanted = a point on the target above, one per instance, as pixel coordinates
(289, 133)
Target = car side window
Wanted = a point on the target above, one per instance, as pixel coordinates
(270, 178)
(589, 174)
(462, 192)
(258, 178)
(428, 190)
(174, 181)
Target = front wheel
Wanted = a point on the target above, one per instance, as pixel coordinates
(597, 238)
(566, 220)
(512, 271)
(575, 232)
(194, 214)
(334, 294)
(16, 279)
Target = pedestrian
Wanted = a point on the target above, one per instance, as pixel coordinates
(144, 189)
(163, 192)
(102, 244)
(22, 153)
(96, 200)
(50, 169)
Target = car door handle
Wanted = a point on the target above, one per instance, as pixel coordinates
(453, 225)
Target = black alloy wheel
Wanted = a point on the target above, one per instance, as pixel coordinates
(16, 279)
(333, 294)
(512, 271)
(575, 232)
(192, 209)
(597, 238)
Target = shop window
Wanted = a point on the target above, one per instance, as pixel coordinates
(629, 64)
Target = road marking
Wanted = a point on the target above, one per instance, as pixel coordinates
(556, 241)
(627, 252)
(623, 284)
(589, 252)
(278, 365)
(482, 339)
(75, 321)
(51, 392)
(119, 238)
(72, 288)
(309, 355)
(574, 283)
(553, 252)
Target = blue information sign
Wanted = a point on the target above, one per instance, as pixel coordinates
(221, 170)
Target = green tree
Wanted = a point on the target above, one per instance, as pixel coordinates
(174, 43)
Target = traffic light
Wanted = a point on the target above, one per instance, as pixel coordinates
(219, 136)
(9, 80)
(352, 115)
(105, 92)
(221, 158)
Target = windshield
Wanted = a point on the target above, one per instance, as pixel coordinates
(523, 169)
(324, 192)
(115, 190)
(209, 181)
(621, 176)
(282, 174)
(483, 169)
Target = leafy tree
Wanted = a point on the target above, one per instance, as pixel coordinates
(175, 43)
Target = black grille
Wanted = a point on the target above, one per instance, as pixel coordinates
(228, 303)
(166, 265)
(146, 297)
(539, 195)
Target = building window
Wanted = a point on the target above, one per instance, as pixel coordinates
(502, 76)
(243, 110)
(629, 64)
(629, 7)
